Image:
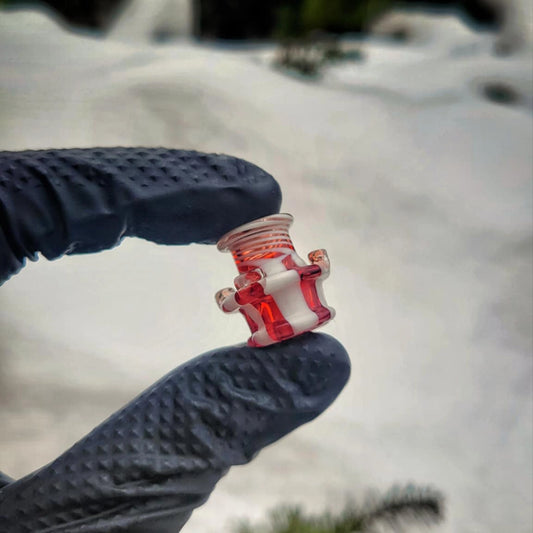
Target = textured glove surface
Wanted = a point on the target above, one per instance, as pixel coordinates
(85, 200)
(147, 467)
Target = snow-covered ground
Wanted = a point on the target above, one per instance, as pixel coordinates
(419, 188)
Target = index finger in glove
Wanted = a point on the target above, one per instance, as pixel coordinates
(85, 200)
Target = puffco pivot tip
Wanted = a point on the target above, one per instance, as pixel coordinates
(277, 292)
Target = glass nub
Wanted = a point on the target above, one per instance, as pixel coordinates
(261, 238)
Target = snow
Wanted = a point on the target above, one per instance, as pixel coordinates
(419, 188)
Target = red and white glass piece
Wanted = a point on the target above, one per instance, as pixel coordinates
(277, 292)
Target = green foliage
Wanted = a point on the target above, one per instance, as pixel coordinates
(336, 16)
(398, 505)
(307, 56)
(288, 21)
(368, 11)
(324, 15)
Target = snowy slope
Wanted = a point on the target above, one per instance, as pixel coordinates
(419, 188)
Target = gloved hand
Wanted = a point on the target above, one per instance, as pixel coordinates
(148, 466)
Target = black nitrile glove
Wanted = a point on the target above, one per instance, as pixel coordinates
(147, 467)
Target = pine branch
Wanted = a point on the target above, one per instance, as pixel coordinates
(400, 504)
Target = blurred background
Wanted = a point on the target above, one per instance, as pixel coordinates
(401, 135)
